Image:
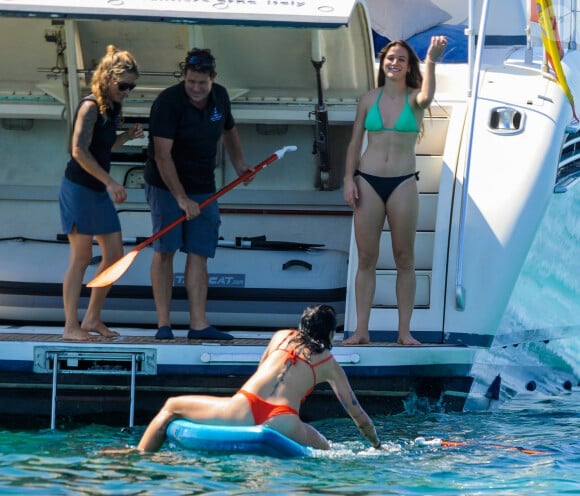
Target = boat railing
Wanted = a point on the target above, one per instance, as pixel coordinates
(474, 65)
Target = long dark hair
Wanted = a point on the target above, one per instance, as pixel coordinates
(314, 335)
(317, 326)
(414, 78)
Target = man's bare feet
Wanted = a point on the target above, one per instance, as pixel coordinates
(76, 334)
(100, 328)
(406, 339)
(357, 338)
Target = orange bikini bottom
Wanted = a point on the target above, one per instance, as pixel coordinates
(262, 410)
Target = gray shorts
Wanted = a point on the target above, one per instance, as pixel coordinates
(92, 212)
(198, 236)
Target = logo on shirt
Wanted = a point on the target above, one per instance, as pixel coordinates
(215, 116)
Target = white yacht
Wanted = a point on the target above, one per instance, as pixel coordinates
(498, 163)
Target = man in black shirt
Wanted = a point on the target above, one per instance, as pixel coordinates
(186, 123)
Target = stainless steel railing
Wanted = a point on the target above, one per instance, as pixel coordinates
(475, 67)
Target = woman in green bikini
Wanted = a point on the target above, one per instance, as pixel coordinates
(380, 183)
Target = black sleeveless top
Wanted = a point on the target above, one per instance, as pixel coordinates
(104, 137)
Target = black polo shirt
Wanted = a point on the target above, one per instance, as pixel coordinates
(195, 134)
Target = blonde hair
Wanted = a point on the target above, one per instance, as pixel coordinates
(112, 67)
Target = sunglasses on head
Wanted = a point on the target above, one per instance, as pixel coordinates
(125, 86)
(201, 62)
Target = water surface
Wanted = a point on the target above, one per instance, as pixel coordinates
(70, 461)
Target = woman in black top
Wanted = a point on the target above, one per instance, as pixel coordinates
(88, 191)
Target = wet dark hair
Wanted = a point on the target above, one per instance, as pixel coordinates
(414, 77)
(314, 335)
(317, 325)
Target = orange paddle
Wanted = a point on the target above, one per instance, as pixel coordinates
(112, 273)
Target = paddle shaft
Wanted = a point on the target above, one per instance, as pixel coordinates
(206, 202)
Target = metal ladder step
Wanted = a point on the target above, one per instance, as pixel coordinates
(92, 362)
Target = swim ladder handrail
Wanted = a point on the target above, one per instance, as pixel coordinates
(473, 94)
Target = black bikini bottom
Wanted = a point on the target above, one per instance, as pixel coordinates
(384, 186)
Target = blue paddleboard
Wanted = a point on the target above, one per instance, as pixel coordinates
(255, 439)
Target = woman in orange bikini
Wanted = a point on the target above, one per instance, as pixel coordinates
(380, 183)
(294, 362)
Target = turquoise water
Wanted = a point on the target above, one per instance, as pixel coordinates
(70, 462)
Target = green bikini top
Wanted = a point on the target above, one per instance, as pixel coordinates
(406, 122)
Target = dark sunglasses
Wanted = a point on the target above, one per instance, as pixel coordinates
(125, 86)
(201, 62)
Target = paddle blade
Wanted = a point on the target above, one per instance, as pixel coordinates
(114, 271)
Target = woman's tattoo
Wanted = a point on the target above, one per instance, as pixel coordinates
(85, 136)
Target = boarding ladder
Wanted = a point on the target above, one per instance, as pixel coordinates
(94, 362)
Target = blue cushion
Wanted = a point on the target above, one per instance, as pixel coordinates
(456, 50)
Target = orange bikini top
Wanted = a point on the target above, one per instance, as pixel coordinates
(293, 357)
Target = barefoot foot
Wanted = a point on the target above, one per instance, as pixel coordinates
(100, 328)
(357, 338)
(76, 334)
(407, 339)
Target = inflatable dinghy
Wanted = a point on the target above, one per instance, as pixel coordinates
(254, 439)
(248, 287)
